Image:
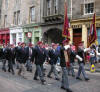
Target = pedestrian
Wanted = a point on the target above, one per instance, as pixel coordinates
(11, 58)
(81, 52)
(17, 51)
(22, 60)
(53, 56)
(64, 58)
(3, 57)
(92, 55)
(98, 53)
(29, 51)
(72, 60)
(38, 57)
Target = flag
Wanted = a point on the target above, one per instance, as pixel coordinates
(65, 31)
(92, 38)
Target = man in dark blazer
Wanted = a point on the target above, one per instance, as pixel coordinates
(17, 50)
(39, 55)
(3, 57)
(29, 51)
(53, 55)
(10, 56)
(22, 60)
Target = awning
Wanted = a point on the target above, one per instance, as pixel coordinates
(4, 31)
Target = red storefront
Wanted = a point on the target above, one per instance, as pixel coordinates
(4, 36)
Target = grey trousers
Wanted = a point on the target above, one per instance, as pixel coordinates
(39, 72)
(81, 70)
(65, 82)
(4, 64)
(22, 70)
(29, 65)
(71, 69)
(53, 70)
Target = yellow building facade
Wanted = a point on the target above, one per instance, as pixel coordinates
(83, 25)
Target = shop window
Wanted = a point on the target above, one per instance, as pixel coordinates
(20, 39)
(98, 35)
(20, 35)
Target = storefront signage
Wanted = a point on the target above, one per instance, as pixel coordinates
(29, 34)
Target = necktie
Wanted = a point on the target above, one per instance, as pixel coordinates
(30, 51)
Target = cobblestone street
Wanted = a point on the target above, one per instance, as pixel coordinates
(14, 83)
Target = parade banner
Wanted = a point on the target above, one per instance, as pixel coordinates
(65, 31)
(92, 38)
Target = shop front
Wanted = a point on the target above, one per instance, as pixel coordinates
(32, 33)
(16, 35)
(81, 30)
(4, 36)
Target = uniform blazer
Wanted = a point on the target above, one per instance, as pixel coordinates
(39, 55)
(18, 53)
(2, 54)
(53, 56)
(27, 52)
(10, 54)
(23, 55)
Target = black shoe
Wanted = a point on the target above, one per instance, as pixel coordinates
(49, 76)
(9, 70)
(13, 73)
(57, 79)
(63, 88)
(36, 78)
(87, 79)
(3, 69)
(69, 90)
(78, 78)
(73, 75)
(43, 82)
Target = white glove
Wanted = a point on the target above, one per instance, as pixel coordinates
(67, 47)
(92, 55)
(86, 49)
(79, 58)
(98, 53)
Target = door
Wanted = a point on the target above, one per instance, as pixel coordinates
(77, 37)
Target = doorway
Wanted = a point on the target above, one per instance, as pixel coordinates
(77, 36)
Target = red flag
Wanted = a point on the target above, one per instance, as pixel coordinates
(92, 38)
(65, 32)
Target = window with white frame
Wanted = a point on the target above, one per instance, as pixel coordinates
(88, 6)
(20, 37)
(17, 17)
(5, 20)
(0, 13)
(55, 6)
(48, 7)
(32, 14)
(17, 2)
(6, 4)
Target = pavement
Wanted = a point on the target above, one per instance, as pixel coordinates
(87, 67)
(15, 83)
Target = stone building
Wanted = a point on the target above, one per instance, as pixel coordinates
(82, 15)
(52, 13)
(21, 18)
